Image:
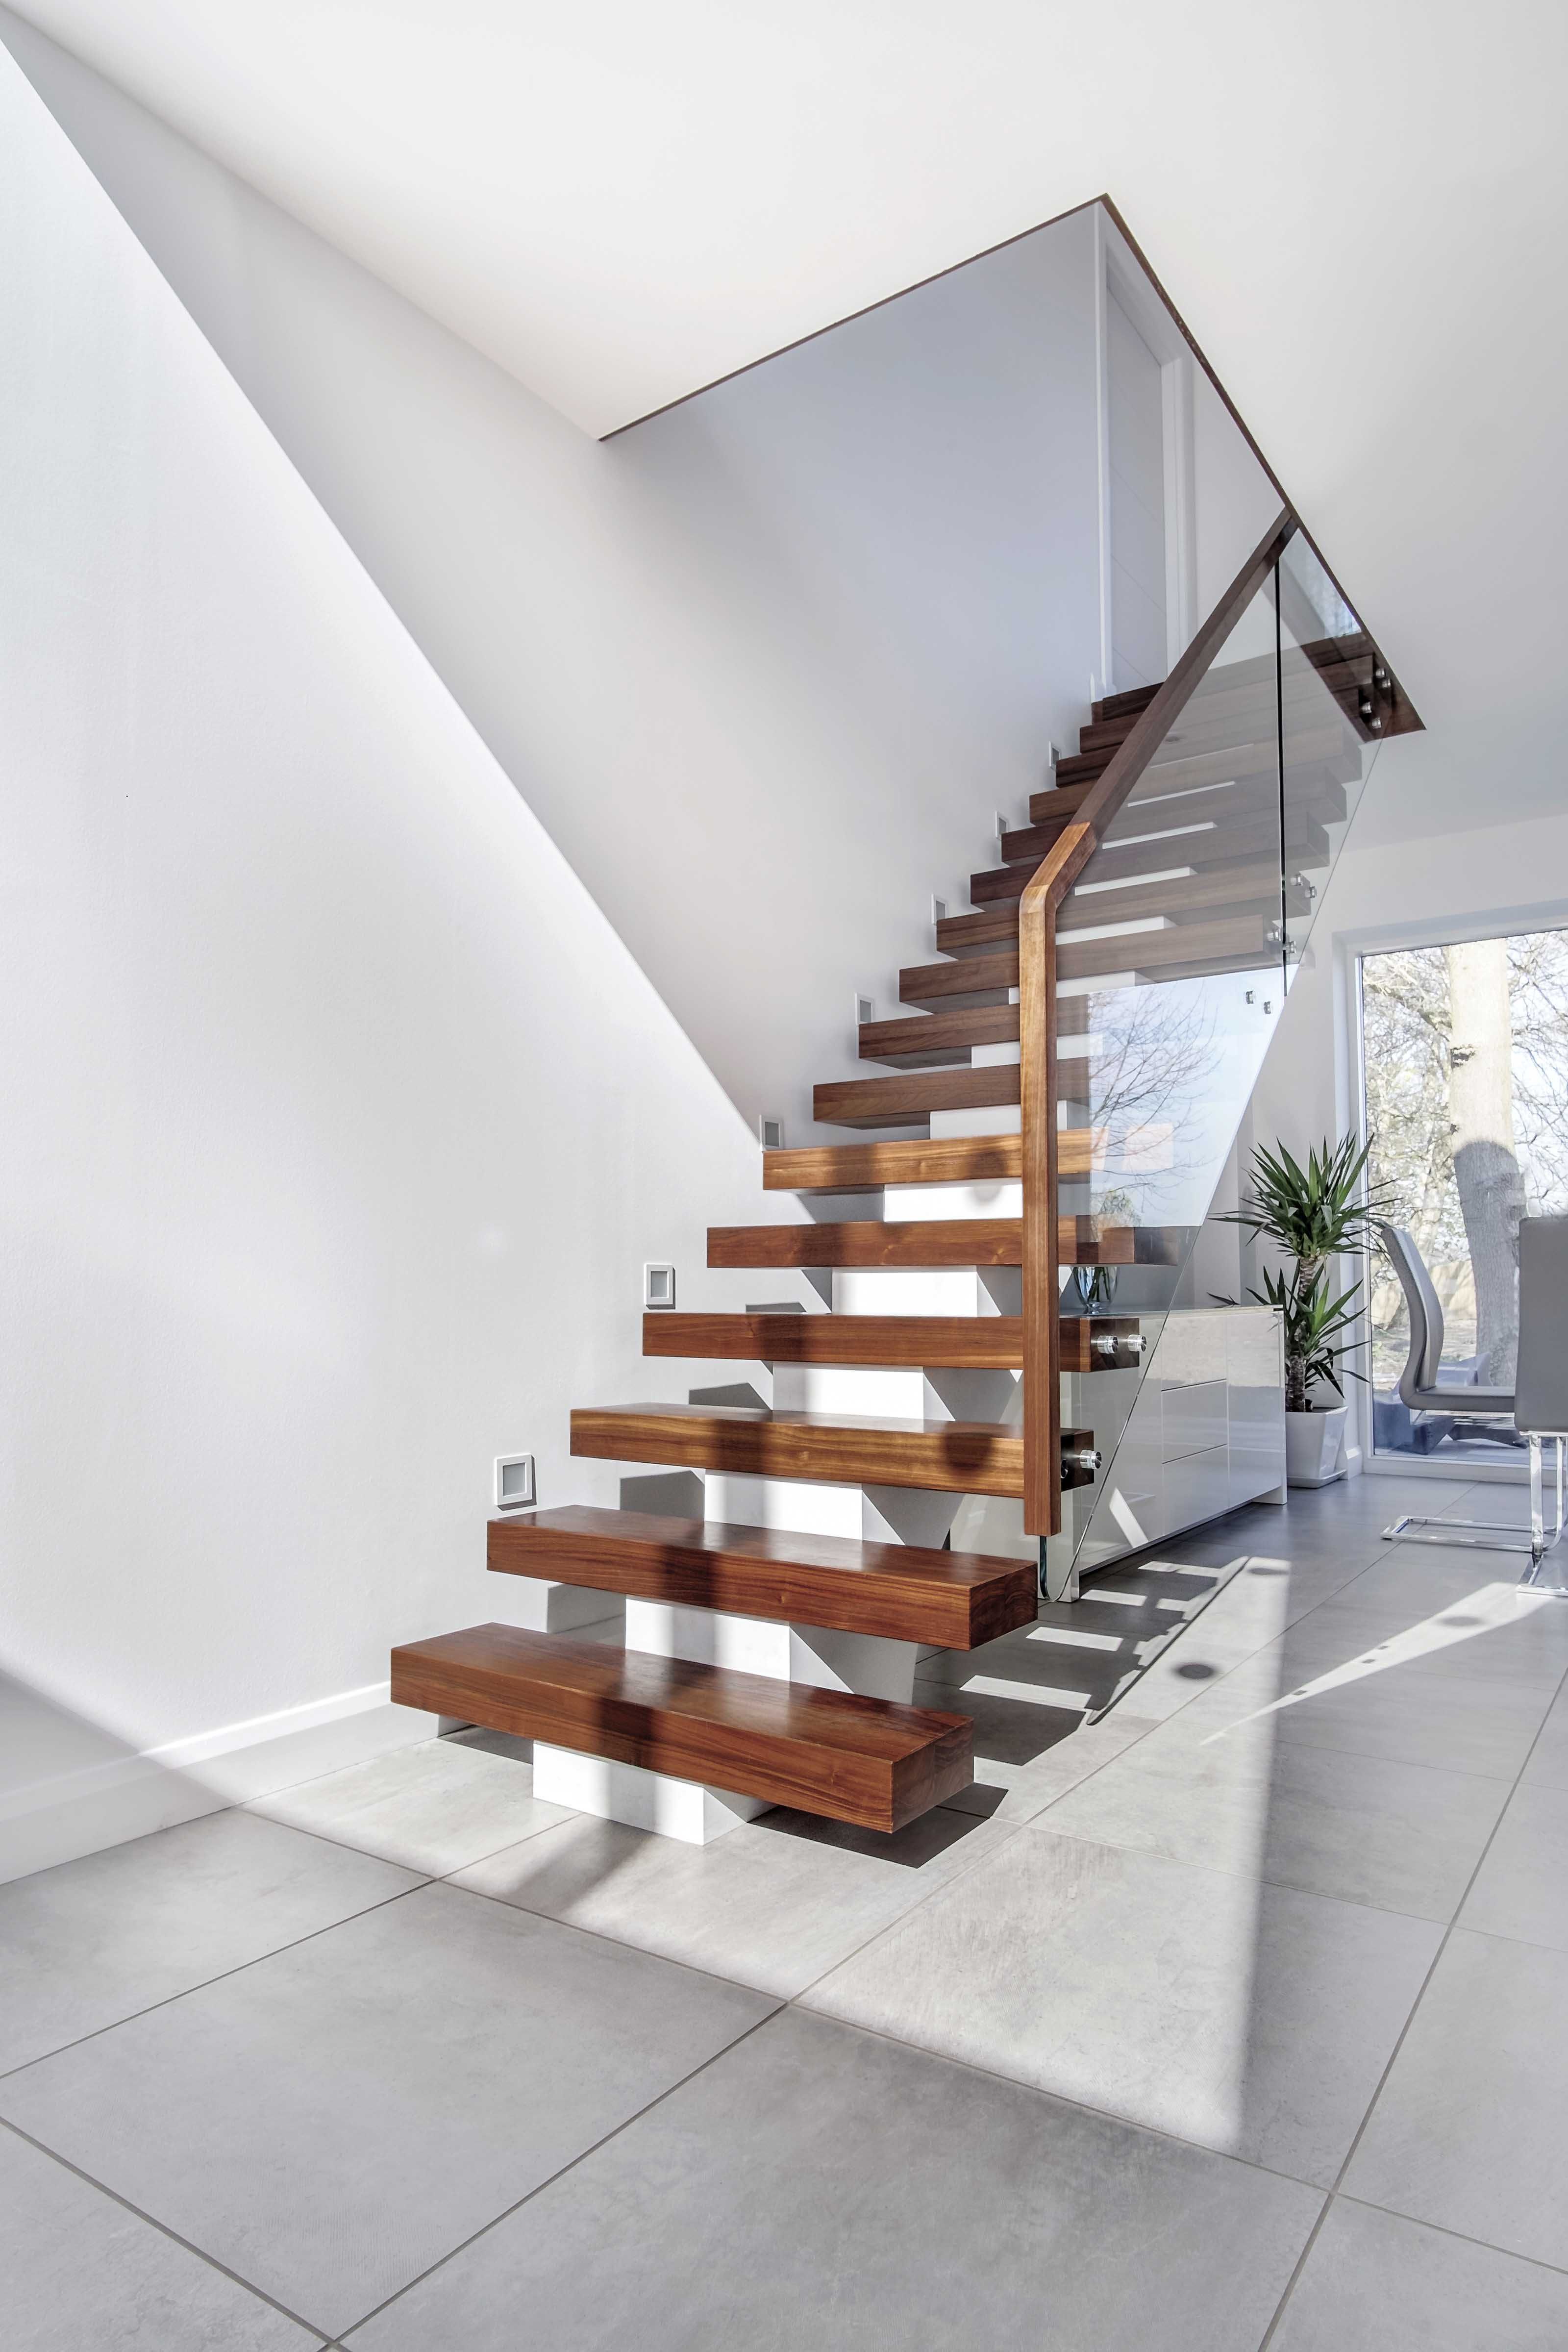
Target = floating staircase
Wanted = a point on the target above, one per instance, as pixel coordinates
(773, 1663)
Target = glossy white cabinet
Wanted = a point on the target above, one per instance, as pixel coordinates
(1205, 1430)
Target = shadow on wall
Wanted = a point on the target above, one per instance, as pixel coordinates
(69, 1787)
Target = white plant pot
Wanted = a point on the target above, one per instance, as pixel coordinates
(1314, 1447)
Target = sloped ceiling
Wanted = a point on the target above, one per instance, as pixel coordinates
(1361, 217)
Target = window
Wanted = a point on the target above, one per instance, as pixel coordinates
(1465, 1055)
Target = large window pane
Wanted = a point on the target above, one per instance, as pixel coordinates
(1465, 1049)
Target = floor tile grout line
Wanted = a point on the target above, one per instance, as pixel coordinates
(1242, 1877)
(1010, 1829)
(1057, 2098)
(1442, 2229)
(874, 2033)
(428, 1878)
(126, 2205)
(1411, 2015)
(561, 2170)
(222, 1977)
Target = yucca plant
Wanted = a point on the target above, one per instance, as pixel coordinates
(1313, 1215)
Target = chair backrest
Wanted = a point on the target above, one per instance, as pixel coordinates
(1426, 1316)
(1541, 1384)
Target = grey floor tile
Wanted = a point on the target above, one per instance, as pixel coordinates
(333, 2120)
(772, 1905)
(1521, 1887)
(1468, 2132)
(1509, 1502)
(1374, 2282)
(83, 2275)
(1488, 1635)
(1312, 1697)
(1251, 2019)
(1548, 1765)
(1015, 1777)
(1403, 1837)
(821, 2187)
(432, 1808)
(93, 1941)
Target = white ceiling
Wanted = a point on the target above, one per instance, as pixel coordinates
(1362, 216)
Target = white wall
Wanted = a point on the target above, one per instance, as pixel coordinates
(339, 1121)
(766, 667)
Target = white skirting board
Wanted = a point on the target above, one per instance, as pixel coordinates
(129, 1795)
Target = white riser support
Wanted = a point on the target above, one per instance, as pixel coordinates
(644, 1800)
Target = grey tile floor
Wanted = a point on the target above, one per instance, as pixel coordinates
(1233, 2020)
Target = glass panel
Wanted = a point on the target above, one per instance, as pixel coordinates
(1170, 981)
(1331, 713)
(1465, 1049)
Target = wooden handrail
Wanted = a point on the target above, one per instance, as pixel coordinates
(1043, 893)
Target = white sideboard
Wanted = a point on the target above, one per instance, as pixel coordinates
(1205, 1431)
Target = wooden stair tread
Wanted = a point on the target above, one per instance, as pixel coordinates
(933, 1240)
(913, 1095)
(932, 1036)
(1130, 705)
(904, 1592)
(1154, 850)
(977, 1342)
(1213, 893)
(867, 1167)
(829, 1752)
(1181, 947)
(963, 1457)
(943, 1160)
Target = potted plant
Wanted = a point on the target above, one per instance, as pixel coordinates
(1313, 1215)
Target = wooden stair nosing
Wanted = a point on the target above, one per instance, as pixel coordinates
(954, 1457)
(927, 1242)
(832, 1753)
(899, 1592)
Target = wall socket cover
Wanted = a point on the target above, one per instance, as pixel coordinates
(658, 1286)
(514, 1481)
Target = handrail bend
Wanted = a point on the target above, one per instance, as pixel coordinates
(1043, 895)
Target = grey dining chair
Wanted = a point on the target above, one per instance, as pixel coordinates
(1419, 1389)
(1541, 1376)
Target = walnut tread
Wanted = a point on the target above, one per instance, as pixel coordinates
(943, 1160)
(954, 1600)
(828, 1752)
(867, 1167)
(976, 1342)
(954, 1457)
(929, 1241)
(912, 1095)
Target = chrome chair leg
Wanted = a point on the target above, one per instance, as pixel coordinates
(1494, 1535)
(1541, 1542)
